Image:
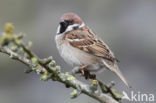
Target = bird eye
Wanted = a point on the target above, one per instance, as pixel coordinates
(64, 25)
(69, 22)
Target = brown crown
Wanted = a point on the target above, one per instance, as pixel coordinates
(72, 17)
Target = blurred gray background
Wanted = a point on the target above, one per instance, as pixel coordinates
(127, 26)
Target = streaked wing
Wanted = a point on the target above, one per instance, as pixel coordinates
(87, 41)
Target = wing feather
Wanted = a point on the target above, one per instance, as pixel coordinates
(87, 41)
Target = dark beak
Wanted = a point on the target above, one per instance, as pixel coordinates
(63, 26)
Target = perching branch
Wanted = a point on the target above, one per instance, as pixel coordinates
(13, 46)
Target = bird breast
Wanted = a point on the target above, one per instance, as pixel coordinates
(72, 55)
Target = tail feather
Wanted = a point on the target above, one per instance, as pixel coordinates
(118, 72)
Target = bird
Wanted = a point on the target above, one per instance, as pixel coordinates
(80, 47)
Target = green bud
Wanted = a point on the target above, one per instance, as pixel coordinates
(69, 77)
(45, 76)
(74, 93)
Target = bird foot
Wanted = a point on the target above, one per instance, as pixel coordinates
(84, 72)
(83, 68)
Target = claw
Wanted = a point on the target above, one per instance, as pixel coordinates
(86, 73)
(83, 68)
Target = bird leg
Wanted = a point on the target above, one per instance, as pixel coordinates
(86, 73)
(83, 68)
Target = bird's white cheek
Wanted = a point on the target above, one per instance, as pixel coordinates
(58, 29)
(58, 40)
(70, 27)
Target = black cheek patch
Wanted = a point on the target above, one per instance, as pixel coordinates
(63, 27)
(75, 27)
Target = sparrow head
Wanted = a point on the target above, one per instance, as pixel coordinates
(69, 21)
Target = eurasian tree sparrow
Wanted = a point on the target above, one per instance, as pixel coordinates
(79, 46)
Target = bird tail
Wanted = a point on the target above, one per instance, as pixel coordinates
(118, 72)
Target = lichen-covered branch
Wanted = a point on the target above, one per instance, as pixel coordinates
(13, 46)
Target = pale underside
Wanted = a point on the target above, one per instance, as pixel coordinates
(83, 47)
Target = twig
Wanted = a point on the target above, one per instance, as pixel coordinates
(49, 70)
